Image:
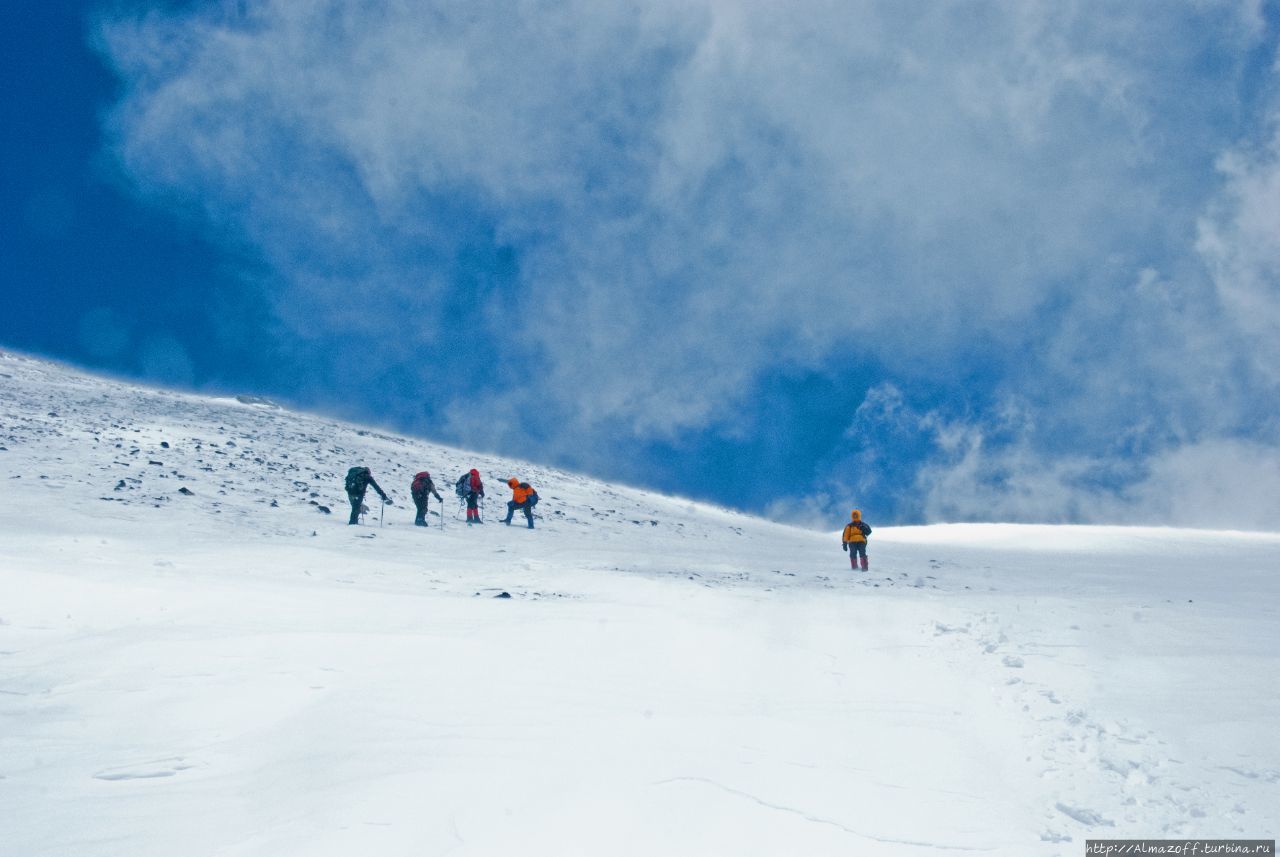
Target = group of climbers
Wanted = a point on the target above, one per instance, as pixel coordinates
(469, 488)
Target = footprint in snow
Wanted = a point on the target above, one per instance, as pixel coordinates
(146, 771)
(1087, 817)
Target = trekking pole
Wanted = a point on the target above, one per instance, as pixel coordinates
(382, 512)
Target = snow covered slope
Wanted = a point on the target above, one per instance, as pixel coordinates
(232, 671)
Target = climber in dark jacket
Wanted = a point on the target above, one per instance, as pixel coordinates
(358, 481)
(421, 489)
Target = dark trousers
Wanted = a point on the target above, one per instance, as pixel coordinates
(512, 505)
(357, 500)
(856, 548)
(473, 506)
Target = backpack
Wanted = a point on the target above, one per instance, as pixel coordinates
(358, 479)
(532, 499)
(463, 486)
(420, 483)
(865, 527)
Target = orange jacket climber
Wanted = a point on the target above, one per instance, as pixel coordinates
(520, 491)
(854, 539)
(853, 530)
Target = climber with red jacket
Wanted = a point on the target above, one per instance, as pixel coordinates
(471, 489)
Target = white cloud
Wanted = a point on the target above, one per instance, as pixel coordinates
(699, 194)
(1240, 240)
(1215, 484)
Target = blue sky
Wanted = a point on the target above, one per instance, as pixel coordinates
(981, 261)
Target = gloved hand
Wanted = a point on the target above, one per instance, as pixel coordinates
(387, 500)
(844, 547)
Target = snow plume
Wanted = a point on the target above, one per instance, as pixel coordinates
(645, 215)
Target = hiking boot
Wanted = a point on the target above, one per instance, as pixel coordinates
(506, 521)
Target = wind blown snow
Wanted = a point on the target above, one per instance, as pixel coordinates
(196, 659)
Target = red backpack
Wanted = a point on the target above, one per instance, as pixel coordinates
(420, 483)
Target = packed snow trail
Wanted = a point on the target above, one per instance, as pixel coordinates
(232, 671)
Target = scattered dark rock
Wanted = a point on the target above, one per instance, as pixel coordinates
(156, 463)
(187, 491)
(164, 444)
(503, 595)
(324, 509)
(275, 505)
(120, 485)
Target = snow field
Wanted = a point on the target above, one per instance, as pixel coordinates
(214, 674)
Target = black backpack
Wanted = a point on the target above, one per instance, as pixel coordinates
(533, 497)
(358, 479)
(463, 486)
